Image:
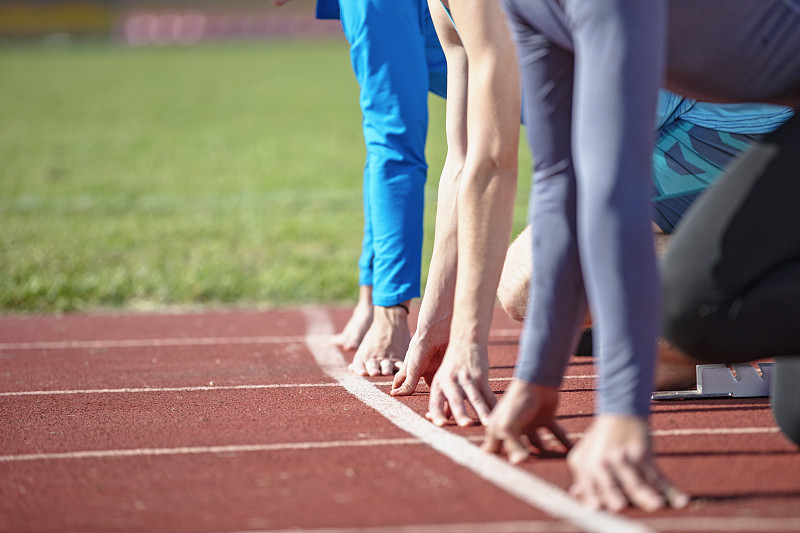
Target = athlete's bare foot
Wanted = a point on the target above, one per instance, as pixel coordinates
(385, 344)
(353, 333)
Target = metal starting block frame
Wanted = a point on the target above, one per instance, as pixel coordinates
(726, 381)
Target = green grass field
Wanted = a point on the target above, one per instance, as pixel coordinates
(210, 175)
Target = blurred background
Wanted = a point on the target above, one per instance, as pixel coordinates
(142, 22)
(161, 154)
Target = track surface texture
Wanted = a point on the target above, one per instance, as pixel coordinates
(246, 420)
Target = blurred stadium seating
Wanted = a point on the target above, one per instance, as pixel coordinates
(161, 22)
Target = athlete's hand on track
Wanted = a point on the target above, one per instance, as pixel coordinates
(522, 411)
(613, 466)
(463, 377)
(424, 356)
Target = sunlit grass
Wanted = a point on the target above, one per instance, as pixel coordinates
(226, 174)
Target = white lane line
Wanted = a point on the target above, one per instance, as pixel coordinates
(188, 450)
(689, 432)
(207, 388)
(693, 432)
(188, 341)
(148, 343)
(699, 523)
(125, 390)
(577, 376)
(516, 481)
(211, 388)
(725, 523)
(521, 526)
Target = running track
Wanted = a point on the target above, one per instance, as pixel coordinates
(248, 421)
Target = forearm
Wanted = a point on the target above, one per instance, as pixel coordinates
(489, 178)
(484, 227)
(437, 303)
(486, 198)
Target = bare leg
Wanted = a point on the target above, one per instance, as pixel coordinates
(353, 333)
(516, 277)
(674, 370)
(385, 344)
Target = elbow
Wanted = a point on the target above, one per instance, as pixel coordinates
(488, 174)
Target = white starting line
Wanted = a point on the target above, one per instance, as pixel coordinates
(515, 481)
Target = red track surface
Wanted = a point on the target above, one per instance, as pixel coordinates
(225, 422)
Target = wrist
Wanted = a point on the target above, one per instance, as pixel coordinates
(401, 306)
(393, 313)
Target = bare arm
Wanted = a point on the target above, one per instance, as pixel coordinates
(486, 195)
(485, 200)
(440, 288)
(433, 326)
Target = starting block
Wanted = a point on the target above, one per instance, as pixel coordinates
(725, 381)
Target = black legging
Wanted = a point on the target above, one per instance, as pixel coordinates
(731, 276)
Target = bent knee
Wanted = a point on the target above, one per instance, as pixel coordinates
(512, 304)
(516, 277)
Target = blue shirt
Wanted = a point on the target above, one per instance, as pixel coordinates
(328, 9)
(749, 118)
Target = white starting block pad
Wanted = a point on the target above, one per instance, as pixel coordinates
(726, 381)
